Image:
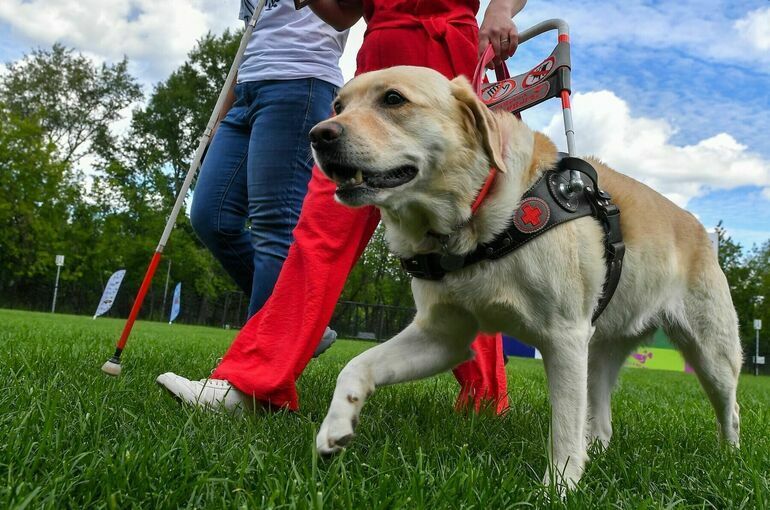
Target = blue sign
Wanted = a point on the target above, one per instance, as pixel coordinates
(175, 303)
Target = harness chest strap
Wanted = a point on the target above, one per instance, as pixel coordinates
(542, 208)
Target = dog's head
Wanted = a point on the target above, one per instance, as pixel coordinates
(405, 135)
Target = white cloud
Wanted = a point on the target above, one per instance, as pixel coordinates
(641, 147)
(754, 27)
(156, 34)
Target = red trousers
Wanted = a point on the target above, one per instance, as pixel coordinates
(272, 350)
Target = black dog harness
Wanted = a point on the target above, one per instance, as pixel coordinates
(543, 207)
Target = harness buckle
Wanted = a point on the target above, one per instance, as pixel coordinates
(616, 250)
(606, 197)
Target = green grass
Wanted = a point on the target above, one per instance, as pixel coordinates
(73, 437)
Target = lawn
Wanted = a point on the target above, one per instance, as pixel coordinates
(73, 437)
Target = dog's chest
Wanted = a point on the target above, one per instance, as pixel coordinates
(513, 294)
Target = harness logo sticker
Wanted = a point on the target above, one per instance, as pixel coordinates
(523, 99)
(538, 73)
(497, 92)
(532, 215)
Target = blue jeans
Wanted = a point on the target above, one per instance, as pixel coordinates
(254, 178)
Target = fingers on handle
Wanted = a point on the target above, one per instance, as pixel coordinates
(498, 46)
(513, 44)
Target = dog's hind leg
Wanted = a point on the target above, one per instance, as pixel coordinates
(707, 335)
(605, 359)
(565, 357)
(423, 349)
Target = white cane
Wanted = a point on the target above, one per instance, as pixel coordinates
(112, 366)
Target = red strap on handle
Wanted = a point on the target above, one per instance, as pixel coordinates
(480, 76)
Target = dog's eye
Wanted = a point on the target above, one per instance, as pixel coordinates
(393, 98)
(337, 106)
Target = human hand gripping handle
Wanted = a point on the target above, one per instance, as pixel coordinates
(499, 31)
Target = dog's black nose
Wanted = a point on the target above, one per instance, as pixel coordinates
(326, 133)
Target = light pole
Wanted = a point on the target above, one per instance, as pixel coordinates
(59, 264)
(757, 326)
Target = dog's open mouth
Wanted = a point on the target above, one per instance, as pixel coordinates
(348, 177)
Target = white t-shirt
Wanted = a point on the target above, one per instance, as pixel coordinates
(289, 44)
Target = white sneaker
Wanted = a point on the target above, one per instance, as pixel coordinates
(326, 341)
(211, 394)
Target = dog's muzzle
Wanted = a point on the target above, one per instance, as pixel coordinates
(347, 176)
(328, 141)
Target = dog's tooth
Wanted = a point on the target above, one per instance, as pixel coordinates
(359, 177)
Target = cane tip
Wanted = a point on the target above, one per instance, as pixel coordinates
(112, 368)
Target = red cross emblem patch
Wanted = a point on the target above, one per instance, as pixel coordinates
(532, 215)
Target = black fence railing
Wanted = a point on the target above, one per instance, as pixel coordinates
(229, 308)
(367, 321)
(351, 319)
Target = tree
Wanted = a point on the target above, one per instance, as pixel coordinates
(748, 275)
(56, 107)
(34, 195)
(166, 132)
(378, 276)
(74, 100)
(141, 175)
(758, 270)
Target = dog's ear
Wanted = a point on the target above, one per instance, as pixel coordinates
(483, 120)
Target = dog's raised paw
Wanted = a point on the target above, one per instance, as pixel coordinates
(334, 436)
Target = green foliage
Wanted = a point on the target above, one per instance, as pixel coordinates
(378, 277)
(166, 132)
(71, 186)
(748, 275)
(140, 180)
(35, 195)
(74, 100)
(71, 437)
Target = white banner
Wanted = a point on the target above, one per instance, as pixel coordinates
(110, 292)
(175, 303)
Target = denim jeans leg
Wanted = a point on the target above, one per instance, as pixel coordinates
(219, 209)
(279, 168)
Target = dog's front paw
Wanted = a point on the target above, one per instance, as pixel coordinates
(598, 442)
(562, 481)
(335, 435)
(598, 434)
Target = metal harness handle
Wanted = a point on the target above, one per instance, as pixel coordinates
(550, 78)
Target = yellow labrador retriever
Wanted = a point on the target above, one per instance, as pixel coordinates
(419, 147)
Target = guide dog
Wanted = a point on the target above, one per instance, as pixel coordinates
(419, 147)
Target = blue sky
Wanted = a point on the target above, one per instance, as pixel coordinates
(676, 94)
(694, 69)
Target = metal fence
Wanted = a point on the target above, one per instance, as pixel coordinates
(229, 308)
(368, 321)
(351, 319)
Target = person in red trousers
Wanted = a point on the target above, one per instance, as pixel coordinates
(271, 351)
